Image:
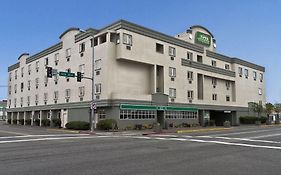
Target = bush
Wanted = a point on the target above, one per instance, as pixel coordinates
(28, 121)
(252, 119)
(226, 124)
(36, 122)
(56, 122)
(78, 125)
(21, 121)
(107, 124)
(9, 121)
(46, 122)
(15, 121)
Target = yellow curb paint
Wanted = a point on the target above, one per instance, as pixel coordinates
(202, 130)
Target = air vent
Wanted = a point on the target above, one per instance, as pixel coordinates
(214, 86)
(97, 97)
(227, 88)
(81, 54)
(172, 100)
(97, 72)
(190, 101)
(172, 58)
(172, 79)
(190, 82)
(128, 47)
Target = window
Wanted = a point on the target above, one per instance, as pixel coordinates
(214, 82)
(10, 89)
(190, 56)
(46, 61)
(172, 93)
(137, 115)
(21, 101)
(172, 72)
(189, 75)
(68, 54)
(82, 68)
(36, 83)
(199, 59)
(214, 63)
(97, 64)
(81, 91)
(246, 73)
(127, 39)
(101, 114)
(29, 69)
(227, 84)
(28, 84)
(255, 75)
(260, 91)
(45, 97)
(102, 38)
(81, 47)
(227, 98)
(10, 76)
(15, 88)
(159, 48)
(56, 59)
(36, 98)
(215, 97)
(37, 66)
(67, 93)
(16, 74)
(172, 51)
(22, 71)
(97, 88)
(190, 94)
(95, 41)
(261, 77)
(226, 66)
(15, 102)
(28, 100)
(56, 95)
(240, 71)
(46, 80)
(21, 87)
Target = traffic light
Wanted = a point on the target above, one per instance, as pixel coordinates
(49, 72)
(79, 76)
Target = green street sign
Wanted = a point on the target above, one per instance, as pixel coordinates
(202, 38)
(67, 74)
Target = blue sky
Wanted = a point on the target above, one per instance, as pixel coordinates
(245, 29)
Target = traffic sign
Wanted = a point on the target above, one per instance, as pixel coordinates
(67, 74)
(93, 105)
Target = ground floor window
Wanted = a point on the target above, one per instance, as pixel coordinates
(180, 115)
(137, 114)
(101, 114)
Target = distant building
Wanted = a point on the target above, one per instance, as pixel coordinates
(3, 110)
(141, 76)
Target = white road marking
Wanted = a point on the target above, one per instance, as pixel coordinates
(245, 132)
(50, 135)
(263, 136)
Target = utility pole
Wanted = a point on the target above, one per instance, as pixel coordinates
(93, 125)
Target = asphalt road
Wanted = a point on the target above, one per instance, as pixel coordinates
(240, 150)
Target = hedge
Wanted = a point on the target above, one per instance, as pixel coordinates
(46, 122)
(78, 125)
(107, 124)
(36, 122)
(56, 122)
(28, 121)
(252, 119)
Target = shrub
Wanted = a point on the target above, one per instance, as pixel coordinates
(28, 121)
(36, 122)
(107, 124)
(21, 121)
(15, 121)
(226, 124)
(9, 121)
(78, 125)
(252, 119)
(56, 122)
(137, 127)
(46, 122)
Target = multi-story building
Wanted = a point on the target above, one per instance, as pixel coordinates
(141, 76)
(3, 112)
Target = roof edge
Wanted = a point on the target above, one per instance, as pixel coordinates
(68, 30)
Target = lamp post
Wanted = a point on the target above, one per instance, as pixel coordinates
(93, 125)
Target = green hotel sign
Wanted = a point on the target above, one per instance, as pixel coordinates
(202, 38)
(160, 108)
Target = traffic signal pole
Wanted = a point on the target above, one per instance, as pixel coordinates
(93, 125)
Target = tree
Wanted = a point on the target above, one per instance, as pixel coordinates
(277, 109)
(269, 108)
(256, 107)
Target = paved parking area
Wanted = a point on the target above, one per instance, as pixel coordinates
(240, 150)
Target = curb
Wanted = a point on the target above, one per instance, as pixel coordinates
(63, 130)
(202, 130)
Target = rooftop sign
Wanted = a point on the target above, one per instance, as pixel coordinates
(203, 39)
